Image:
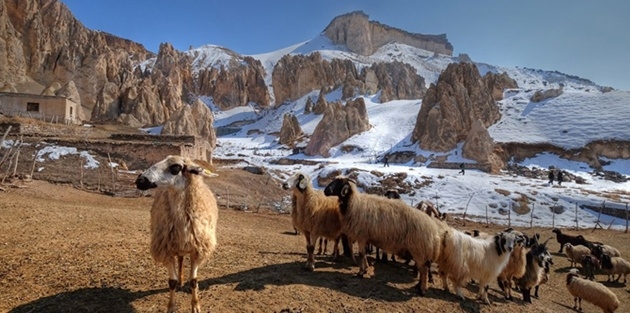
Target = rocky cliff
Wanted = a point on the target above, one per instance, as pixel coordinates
(339, 123)
(360, 35)
(296, 75)
(450, 108)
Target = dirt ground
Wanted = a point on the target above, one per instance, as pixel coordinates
(67, 250)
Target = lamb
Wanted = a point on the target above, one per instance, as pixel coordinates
(615, 265)
(466, 257)
(313, 214)
(184, 218)
(592, 292)
(537, 258)
(589, 265)
(564, 238)
(576, 253)
(390, 224)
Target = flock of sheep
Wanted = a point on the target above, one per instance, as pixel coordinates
(184, 217)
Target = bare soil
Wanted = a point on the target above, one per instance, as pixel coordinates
(67, 250)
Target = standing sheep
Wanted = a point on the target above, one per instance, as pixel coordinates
(313, 214)
(576, 253)
(466, 257)
(387, 223)
(183, 220)
(615, 265)
(591, 291)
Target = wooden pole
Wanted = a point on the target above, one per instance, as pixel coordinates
(487, 223)
(577, 223)
(466, 209)
(81, 171)
(113, 173)
(531, 216)
(17, 159)
(227, 204)
(626, 218)
(510, 215)
(4, 136)
(553, 219)
(33, 166)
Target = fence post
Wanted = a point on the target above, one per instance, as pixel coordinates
(510, 215)
(577, 225)
(487, 224)
(531, 216)
(553, 219)
(626, 218)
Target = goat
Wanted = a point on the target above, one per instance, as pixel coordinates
(564, 238)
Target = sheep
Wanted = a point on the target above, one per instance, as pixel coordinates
(465, 257)
(515, 267)
(576, 253)
(392, 194)
(537, 258)
(387, 223)
(598, 249)
(313, 214)
(184, 218)
(430, 209)
(589, 265)
(615, 265)
(592, 292)
(564, 238)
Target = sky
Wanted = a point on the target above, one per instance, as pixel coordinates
(586, 38)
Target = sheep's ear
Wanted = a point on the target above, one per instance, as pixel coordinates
(198, 170)
(302, 182)
(345, 190)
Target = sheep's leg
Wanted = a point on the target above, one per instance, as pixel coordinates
(422, 283)
(180, 263)
(172, 284)
(429, 274)
(363, 259)
(527, 297)
(310, 249)
(445, 281)
(536, 291)
(319, 250)
(336, 248)
(325, 245)
(194, 286)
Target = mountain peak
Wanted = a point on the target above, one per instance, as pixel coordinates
(362, 36)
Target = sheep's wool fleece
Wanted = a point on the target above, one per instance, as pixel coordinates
(593, 292)
(173, 209)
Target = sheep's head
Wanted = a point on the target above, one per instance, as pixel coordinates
(556, 231)
(606, 261)
(339, 187)
(392, 194)
(172, 171)
(298, 181)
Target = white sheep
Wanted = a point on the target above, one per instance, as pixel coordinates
(576, 253)
(313, 214)
(183, 219)
(465, 257)
(389, 224)
(592, 292)
(615, 265)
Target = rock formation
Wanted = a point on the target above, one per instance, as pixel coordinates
(479, 145)
(360, 35)
(339, 123)
(192, 119)
(541, 95)
(497, 83)
(396, 80)
(308, 107)
(290, 130)
(450, 108)
(321, 105)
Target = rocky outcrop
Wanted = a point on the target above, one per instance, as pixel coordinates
(339, 123)
(243, 81)
(308, 106)
(192, 119)
(541, 95)
(296, 75)
(290, 130)
(450, 108)
(321, 105)
(479, 145)
(360, 35)
(396, 80)
(497, 83)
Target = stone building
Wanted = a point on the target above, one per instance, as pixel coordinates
(46, 108)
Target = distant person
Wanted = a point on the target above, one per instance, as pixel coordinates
(559, 178)
(550, 177)
(385, 162)
(462, 168)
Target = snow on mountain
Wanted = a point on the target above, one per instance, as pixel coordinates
(583, 113)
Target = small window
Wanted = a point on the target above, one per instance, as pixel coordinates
(70, 111)
(32, 107)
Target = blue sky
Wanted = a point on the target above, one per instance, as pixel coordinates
(589, 39)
